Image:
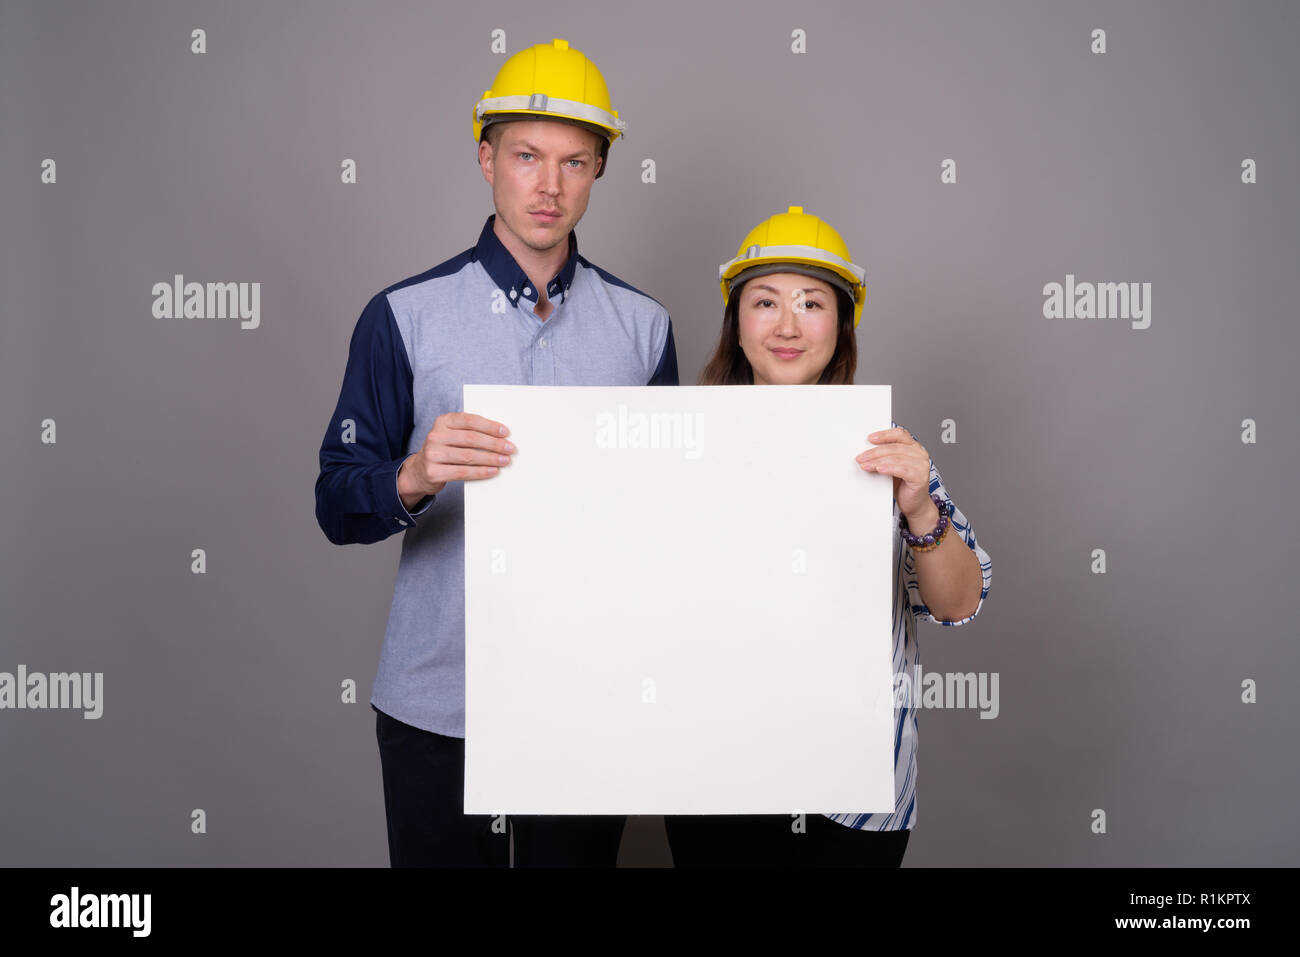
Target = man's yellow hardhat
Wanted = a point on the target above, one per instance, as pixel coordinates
(796, 241)
(551, 79)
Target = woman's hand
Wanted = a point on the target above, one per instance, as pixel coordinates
(896, 453)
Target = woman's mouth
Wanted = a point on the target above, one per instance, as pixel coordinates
(787, 353)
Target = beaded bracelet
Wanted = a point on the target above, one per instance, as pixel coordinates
(925, 543)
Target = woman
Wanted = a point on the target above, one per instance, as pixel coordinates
(793, 301)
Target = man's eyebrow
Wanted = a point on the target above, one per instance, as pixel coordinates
(525, 145)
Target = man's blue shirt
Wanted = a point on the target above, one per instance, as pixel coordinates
(470, 319)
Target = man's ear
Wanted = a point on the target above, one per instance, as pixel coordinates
(597, 142)
(485, 159)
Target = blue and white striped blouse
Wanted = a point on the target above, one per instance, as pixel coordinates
(908, 608)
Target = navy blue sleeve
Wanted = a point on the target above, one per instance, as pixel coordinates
(356, 491)
(666, 371)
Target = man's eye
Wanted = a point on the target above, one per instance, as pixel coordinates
(525, 154)
(579, 162)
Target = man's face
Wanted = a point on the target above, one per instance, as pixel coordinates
(541, 178)
(788, 327)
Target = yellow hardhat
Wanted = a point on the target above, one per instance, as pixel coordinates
(796, 241)
(551, 79)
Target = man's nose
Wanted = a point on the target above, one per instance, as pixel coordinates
(551, 178)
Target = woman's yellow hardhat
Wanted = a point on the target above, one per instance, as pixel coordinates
(795, 241)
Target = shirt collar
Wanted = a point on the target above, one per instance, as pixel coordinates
(508, 275)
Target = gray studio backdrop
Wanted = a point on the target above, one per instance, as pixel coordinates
(1120, 692)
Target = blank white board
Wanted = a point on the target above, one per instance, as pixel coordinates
(678, 601)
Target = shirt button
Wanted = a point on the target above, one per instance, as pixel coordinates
(527, 291)
(542, 343)
(513, 294)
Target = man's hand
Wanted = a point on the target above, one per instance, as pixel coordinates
(461, 446)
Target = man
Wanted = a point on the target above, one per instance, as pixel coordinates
(520, 307)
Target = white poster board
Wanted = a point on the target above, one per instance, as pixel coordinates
(678, 601)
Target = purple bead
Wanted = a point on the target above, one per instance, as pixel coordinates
(929, 539)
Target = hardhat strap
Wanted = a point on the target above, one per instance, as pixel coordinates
(540, 102)
(799, 252)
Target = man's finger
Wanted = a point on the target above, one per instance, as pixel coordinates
(471, 472)
(462, 455)
(468, 420)
(468, 439)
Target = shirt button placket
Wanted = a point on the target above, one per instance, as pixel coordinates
(547, 359)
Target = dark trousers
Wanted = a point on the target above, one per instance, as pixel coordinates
(424, 802)
(762, 840)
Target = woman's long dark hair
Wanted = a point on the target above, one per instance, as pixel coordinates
(729, 366)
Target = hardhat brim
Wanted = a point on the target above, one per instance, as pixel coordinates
(492, 118)
(804, 269)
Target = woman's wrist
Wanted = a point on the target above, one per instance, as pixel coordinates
(927, 519)
(926, 531)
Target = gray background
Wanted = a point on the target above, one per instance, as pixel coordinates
(221, 691)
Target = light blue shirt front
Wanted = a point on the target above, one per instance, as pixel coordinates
(471, 319)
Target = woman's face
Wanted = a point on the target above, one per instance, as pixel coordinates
(788, 327)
